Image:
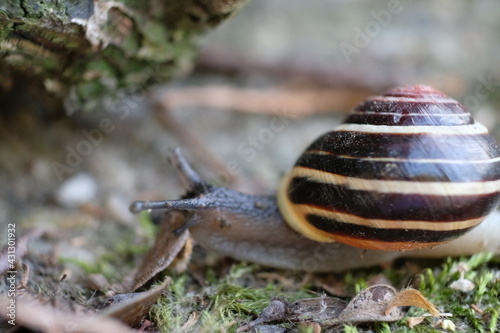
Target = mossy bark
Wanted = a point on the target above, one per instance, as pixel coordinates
(84, 50)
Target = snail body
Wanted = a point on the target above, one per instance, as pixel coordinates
(407, 170)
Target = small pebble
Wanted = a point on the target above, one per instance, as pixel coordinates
(76, 190)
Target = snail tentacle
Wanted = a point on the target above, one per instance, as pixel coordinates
(169, 205)
(189, 178)
(196, 186)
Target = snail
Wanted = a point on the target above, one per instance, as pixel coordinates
(408, 170)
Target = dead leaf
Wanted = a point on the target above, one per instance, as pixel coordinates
(165, 249)
(379, 303)
(276, 311)
(25, 275)
(370, 305)
(476, 309)
(316, 309)
(412, 297)
(304, 310)
(183, 258)
(414, 321)
(44, 317)
(133, 307)
(191, 321)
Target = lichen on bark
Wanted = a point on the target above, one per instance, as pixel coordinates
(83, 51)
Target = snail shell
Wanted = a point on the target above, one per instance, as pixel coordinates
(406, 170)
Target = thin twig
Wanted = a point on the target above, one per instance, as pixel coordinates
(228, 62)
(289, 102)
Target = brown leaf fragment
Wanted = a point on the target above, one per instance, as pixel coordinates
(45, 317)
(316, 309)
(145, 325)
(132, 308)
(304, 310)
(379, 303)
(25, 275)
(191, 321)
(181, 262)
(296, 102)
(165, 249)
(414, 321)
(476, 309)
(276, 311)
(412, 297)
(370, 305)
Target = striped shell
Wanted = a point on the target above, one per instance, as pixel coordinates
(407, 170)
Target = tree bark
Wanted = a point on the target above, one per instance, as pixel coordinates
(82, 51)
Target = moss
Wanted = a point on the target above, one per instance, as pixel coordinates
(226, 303)
(485, 296)
(350, 329)
(223, 304)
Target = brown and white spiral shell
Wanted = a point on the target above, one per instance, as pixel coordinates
(409, 169)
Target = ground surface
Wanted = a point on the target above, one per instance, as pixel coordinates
(119, 154)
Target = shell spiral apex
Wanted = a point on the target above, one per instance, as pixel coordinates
(409, 169)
